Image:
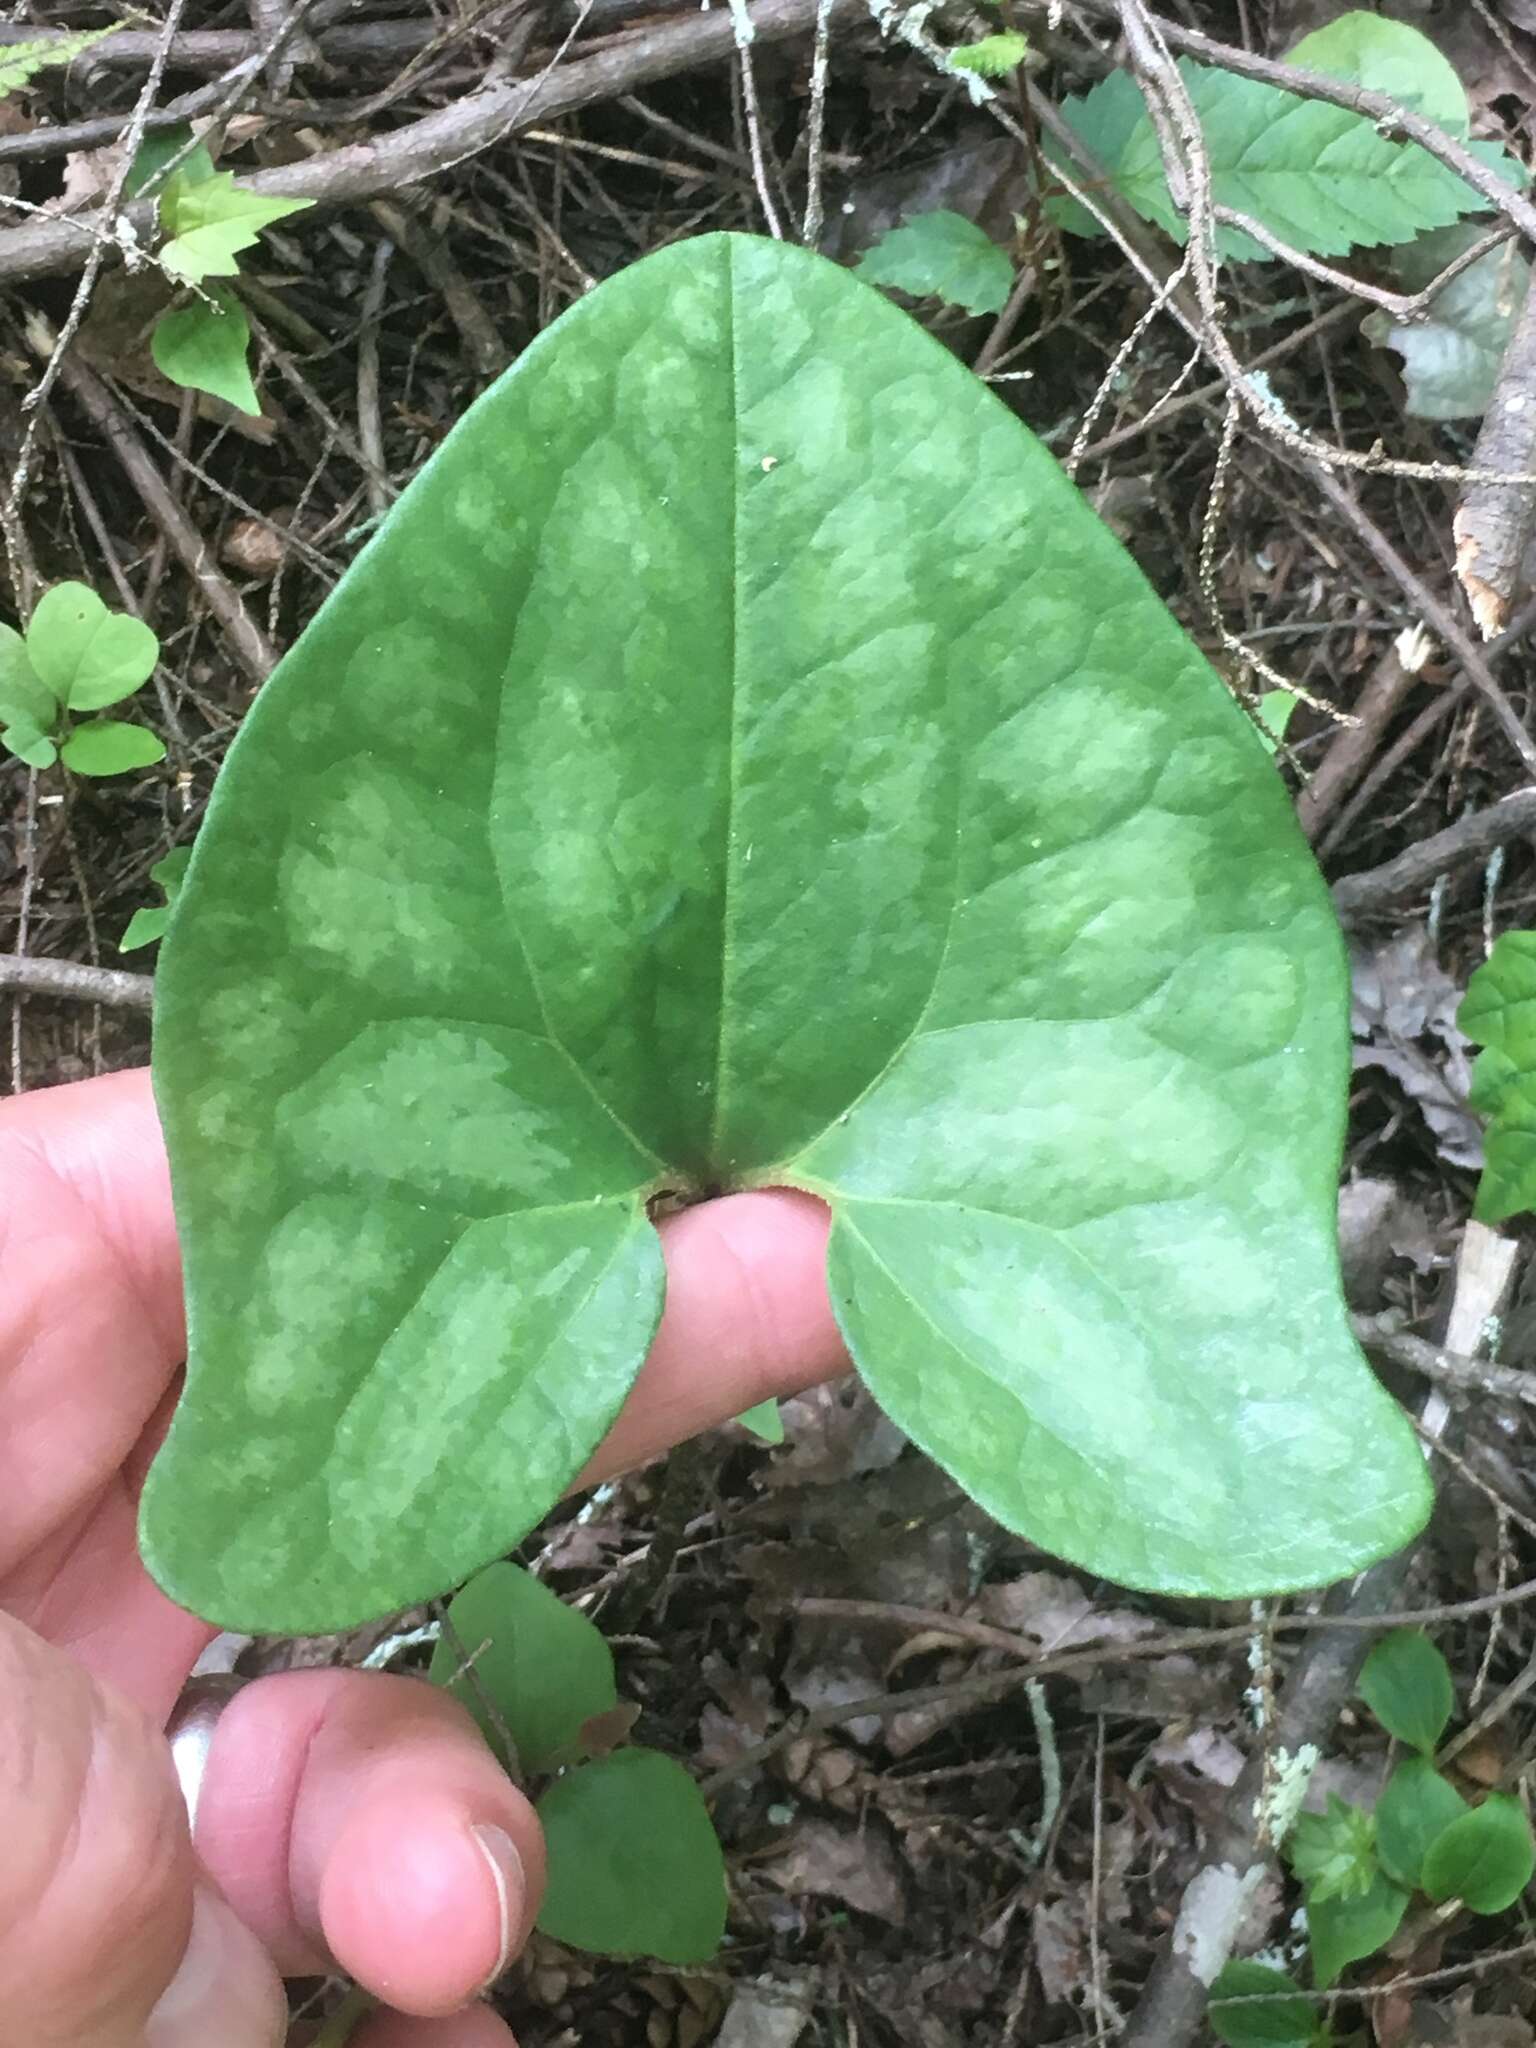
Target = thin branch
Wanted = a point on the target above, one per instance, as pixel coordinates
(1470, 838)
(69, 978)
(449, 135)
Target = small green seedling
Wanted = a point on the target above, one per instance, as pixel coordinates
(634, 1864)
(75, 660)
(147, 925)
(941, 256)
(204, 344)
(1360, 1869)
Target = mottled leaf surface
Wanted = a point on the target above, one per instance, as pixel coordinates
(741, 760)
(1500, 1014)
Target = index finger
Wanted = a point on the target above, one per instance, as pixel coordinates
(747, 1315)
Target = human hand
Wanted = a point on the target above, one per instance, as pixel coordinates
(347, 1820)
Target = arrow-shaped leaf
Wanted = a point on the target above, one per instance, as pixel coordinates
(741, 760)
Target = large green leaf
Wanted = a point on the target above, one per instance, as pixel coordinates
(1416, 1808)
(743, 759)
(1390, 57)
(1407, 1685)
(1485, 1859)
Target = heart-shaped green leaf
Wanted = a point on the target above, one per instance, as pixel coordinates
(634, 1865)
(537, 1668)
(1341, 1931)
(1416, 1808)
(1485, 1859)
(743, 759)
(1406, 1683)
(87, 656)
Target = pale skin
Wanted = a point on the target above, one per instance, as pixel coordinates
(336, 1828)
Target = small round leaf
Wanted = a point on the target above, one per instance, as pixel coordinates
(634, 1865)
(1284, 2019)
(1406, 1683)
(87, 656)
(106, 747)
(1485, 1859)
(1416, 1808)
(539, 1667)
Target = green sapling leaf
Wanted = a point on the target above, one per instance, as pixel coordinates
(1390, 57)
(149, 924)
(24, 699)
(878, 834)
(86, 656)
(1406, 1683)
(1334, 1853)
(105, 747)
(1341, 1931)
(155, 151)
(764, 1421)
(1499, 1012)
(540, 1664)
(1485, 1859)
(21, 62)
(1285, 2019)
(211, 219)
(1415, 1809)
(634, 1865)
(29, 743)
(993, 57)
(941, 256)
(203, 347)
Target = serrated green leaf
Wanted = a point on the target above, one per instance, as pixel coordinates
(1334, 1852)
(1499, 1012)
(634, 1865)
(1406, 1683)
(1485, 1859)
(24, 699)
(1285, 2019)
(540, 1668)
(29, 743)
(203, 347)
(155, 151)
(1104, 119)
(843, 845)
(106, 747)
(1417, 1807)
(1390, 57)
(993, 57)
(1323, 179)
(1342, 1931)
(145, 926)
(86, 656)
(1451, 359)
(941, 256)
(210, 220)
(21, 62)
(764, 1421)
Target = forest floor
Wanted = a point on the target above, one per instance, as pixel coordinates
(997, 1872)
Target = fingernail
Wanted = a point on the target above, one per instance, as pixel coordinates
(500, 1852)
(226, 1989)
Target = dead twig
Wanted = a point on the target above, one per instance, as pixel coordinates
(1493, 522)
(1470, 838)
(449, 135)
(79, 983)
(246, 640)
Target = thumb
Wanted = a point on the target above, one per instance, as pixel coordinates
(110, 1937)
